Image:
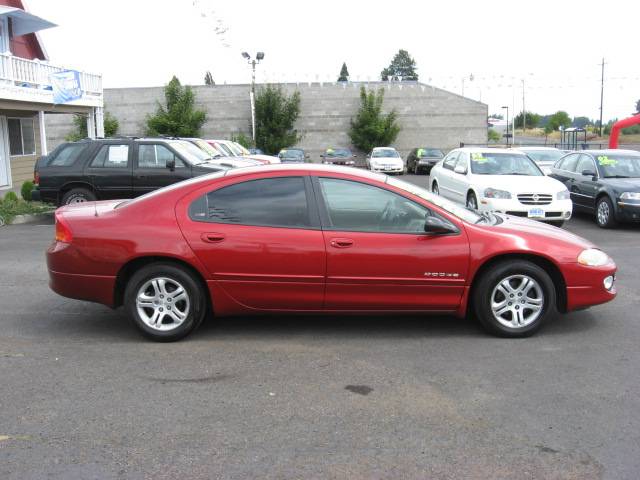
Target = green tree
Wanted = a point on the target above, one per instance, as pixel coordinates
(344, 73)
(402, 67)
(242, 139)
(79, 131)
(371, 128)
(581, 122)
(178, 118)
(208, 78)
(533, 119)
(493, 135)
(560, 118)
(276, 115)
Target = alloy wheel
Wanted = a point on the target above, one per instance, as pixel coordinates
(517, 301)
(603, 212)
(162, 303)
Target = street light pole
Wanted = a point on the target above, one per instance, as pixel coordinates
(507, 134)
(252, 93)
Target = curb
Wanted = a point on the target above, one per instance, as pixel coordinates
(31, 218)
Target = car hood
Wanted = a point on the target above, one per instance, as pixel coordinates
(519, 183)
(623, 184)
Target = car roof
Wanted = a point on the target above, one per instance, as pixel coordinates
(526, 149)
(610, 151)
(490, 149)
(383, 148)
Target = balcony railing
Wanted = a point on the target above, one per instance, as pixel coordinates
(28, 80)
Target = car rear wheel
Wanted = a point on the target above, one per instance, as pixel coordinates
(78, 195)
(605, 216)
(472, 201)
(514, 298)
(165, 302)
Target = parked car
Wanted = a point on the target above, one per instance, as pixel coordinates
(313, 239)
(386, 160)
(605, 183)
(206, 147)
(338, 156)
(264, 159)
(234, 162)
(292, 155)
(116, 168)
(222, 147)
(545, 157)
(501, 180)
(421, 160)
(255, 151)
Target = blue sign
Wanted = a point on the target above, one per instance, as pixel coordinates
(66, 86)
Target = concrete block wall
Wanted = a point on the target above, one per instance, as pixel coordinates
(428, 116)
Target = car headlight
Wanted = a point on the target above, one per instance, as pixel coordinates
(563, 195)
(592, 257)
(494, 193)
(630, 196)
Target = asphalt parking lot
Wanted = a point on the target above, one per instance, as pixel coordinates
(84, 396)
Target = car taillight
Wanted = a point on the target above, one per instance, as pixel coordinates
(36, 177)
(63, 232)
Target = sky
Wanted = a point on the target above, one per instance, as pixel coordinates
(554, 47)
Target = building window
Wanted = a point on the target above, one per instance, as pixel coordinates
(22, 136)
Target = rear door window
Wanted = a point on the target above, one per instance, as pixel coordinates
(569, 163)
(67, 155)
(450, 162)
(111, 156)
(269, 202)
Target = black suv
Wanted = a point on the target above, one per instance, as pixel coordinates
(116, 168)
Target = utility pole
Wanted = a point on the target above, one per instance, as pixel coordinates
(524, 111)
(252, 92)
(601, 95)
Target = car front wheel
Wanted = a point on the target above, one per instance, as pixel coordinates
(605, 216)
(514, 298)
(165, 302)
(472, 201)
(434, 188)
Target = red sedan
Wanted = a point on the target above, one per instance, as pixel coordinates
(315, 238)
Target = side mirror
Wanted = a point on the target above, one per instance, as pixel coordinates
(322, 155)
(171, 164)
(588, 173)
(437, 226)
(354, 155)
(460, 169)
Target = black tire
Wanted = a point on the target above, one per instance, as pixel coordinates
(483, 294)
(557, 223)
(196, 298)
(416, 169)
(78, 195)
(434, 188)
(472, 201)
(605, 214)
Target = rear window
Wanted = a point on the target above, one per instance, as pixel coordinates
(67, 155)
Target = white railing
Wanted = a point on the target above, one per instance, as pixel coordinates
(34, 75)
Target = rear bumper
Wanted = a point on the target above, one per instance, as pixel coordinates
(92, 288)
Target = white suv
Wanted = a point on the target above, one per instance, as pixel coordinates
(501, 180)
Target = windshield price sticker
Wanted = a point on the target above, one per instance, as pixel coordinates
(477, 157)
(329, 151)
(421, 152)
(604, 160)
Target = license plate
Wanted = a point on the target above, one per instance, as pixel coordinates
(536, 213)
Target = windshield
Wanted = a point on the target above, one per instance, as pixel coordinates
(546, 156)
(242, 149)
(338, 152)
(205, 147)
(453, 208)
(495, 163)
(430, 152)
(385, 153)
(190, 152)
(619, 166)
(291, 153)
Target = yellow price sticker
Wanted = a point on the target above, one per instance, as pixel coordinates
(606, 161)
(477, 157)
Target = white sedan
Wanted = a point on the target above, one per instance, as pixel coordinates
(501, 180)
(385, 160)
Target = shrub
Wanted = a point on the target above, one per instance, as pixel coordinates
(276, 115)
(79, 131)
(371, 128)
(242, 139)
(493, 135)
(10, 197)
(25, 191)
(178, 118)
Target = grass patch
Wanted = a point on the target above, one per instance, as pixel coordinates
(9, 208)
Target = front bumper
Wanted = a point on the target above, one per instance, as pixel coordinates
(585, 285)
(627, 211)
(557, 210)
(388, 168)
